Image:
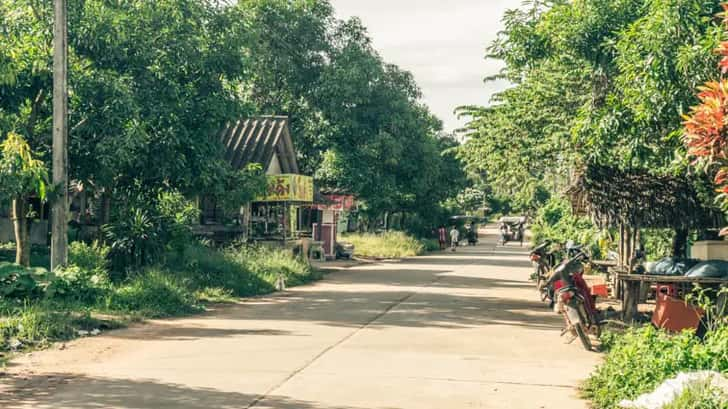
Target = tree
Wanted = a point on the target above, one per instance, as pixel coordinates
(594, 81)
(21, 175)
(705, 134)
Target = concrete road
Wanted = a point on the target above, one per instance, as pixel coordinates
(450, 330)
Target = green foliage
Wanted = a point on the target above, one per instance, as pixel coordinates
(93, 258)
(17, 282)
(134, 238)
(641, 359)
(77, 285)
(658, 243)
(600, 81)
(238, 270)
(21, 172)
(35, 325)
(153, 293)
(700, 396)
(556, 222)
(386, 245)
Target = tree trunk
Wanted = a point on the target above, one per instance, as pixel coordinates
(22, 232)
(679, 242)
(104, 214)
(622, 245)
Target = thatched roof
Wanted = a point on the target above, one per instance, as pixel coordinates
(614, 197)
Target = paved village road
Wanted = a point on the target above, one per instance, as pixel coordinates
(446, 331)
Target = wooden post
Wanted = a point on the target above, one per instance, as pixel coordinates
(59, 234)
(630, 303)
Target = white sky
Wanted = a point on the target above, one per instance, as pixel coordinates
(441, 42)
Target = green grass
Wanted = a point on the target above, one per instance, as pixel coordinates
(641, 359)
(700, 396)
(181, 285)
(389, 245)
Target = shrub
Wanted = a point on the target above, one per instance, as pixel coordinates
(74, 284)
(430, 244)
(92, 258)
(269, 264)
(700, 396)
(387, 245)
(154, 293)
(556, 222)
(241, 270)
(18, 282)
(641, 359)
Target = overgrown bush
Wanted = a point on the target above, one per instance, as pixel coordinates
(700, 396)
(18, 282)
(92, 258)
(639, 360)
(387, 245)
(239, 270)
(146, 227)
(556, 222)
(154, 293)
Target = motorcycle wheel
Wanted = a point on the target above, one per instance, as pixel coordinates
(540, 276)
(585, 341)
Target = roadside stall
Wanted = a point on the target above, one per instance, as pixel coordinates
(325, 228)
(630, 201)
(275, 217)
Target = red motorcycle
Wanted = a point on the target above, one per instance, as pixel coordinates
(573, 298)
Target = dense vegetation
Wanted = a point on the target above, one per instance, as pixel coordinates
(594, 81)
(152, 83)
(641, 359)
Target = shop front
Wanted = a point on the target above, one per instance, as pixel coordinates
(276, 216)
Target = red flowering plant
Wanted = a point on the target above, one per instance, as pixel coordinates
(706, 126)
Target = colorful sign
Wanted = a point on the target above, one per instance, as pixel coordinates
(288, 188)
(336, 203)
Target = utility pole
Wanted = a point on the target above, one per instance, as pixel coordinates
(59, 234)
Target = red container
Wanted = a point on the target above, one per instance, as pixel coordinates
(673, 314)
(600, 290)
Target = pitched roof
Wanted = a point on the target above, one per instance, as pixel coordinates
(256, 139)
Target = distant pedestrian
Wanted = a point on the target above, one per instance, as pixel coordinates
(454, 238)
(521, 233)
(442, 237)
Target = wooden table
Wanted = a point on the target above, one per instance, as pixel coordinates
(631, 283)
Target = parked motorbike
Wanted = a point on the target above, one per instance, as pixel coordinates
(541, 256)
(573, 297)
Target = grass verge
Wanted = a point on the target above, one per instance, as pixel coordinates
(641, 359)
(389, 245)
(80, 300)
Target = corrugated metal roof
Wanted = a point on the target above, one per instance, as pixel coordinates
(256, 139)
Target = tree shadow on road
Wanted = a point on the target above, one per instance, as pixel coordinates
(57, 391)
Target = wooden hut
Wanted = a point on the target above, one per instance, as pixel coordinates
(631, 200)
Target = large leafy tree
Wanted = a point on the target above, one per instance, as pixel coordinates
(593, 81)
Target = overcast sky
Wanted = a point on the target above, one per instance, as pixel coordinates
(441, 42)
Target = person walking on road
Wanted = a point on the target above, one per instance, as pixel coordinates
(521, 233)
(442, 237)
(454, 238)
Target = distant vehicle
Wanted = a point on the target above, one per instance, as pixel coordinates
(512, 224)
